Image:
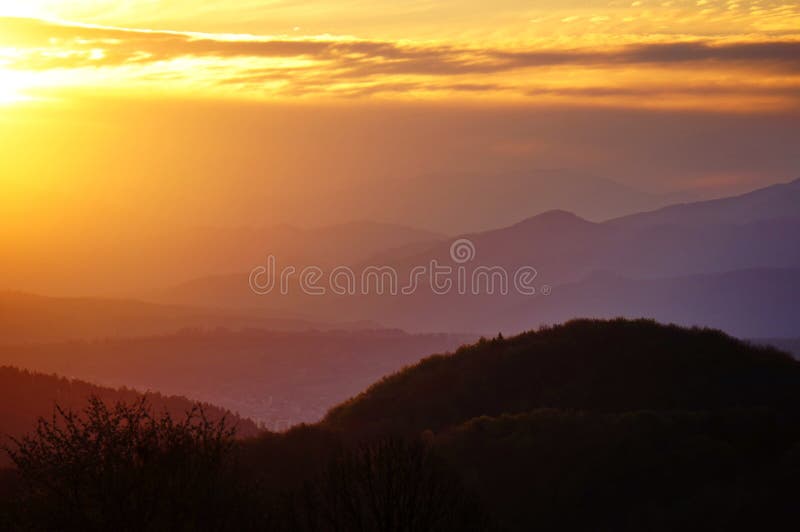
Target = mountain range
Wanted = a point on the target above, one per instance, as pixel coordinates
(28, 317)
(655, 259)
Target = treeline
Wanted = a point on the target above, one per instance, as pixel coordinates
(126, 468)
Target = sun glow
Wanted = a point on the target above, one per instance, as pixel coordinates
(12, 86)
(15, 8)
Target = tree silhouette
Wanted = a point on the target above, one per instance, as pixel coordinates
(392, 485)
(126, 468)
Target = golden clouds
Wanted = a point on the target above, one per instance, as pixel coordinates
(595, 63)
(450, 20)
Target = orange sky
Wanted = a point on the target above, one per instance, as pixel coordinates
(685, 54)
(121, 119)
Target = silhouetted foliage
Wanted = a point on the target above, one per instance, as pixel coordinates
(562, 470)
(25, 396)
(790, 345)
(389, 485)
(125, 468)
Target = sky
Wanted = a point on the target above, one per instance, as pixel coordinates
(122, 120)
(674, 54)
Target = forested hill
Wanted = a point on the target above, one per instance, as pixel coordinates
(604, 425)
(601, 366)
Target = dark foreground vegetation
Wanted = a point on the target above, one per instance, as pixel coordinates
(593, 425)
(26, 396)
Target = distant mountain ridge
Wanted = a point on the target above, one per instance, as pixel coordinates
(757, 231)
(34, 318)
(775, 201)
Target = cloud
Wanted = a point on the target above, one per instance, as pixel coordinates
(744, 89)
(125, 46)
(350, 66)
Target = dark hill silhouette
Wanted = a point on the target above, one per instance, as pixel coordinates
(599, 366)
(597, 425)
(605, 425)
(645, 470)
(790, 345)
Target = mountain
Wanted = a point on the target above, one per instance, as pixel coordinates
(34, 318)
(754, 231)
(26, 396)
(776, 201)
(604, 425)
(598, 366)
(279, 378)
(657, 271)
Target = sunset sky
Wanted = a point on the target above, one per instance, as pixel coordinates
(686, 54)
(124, 119)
